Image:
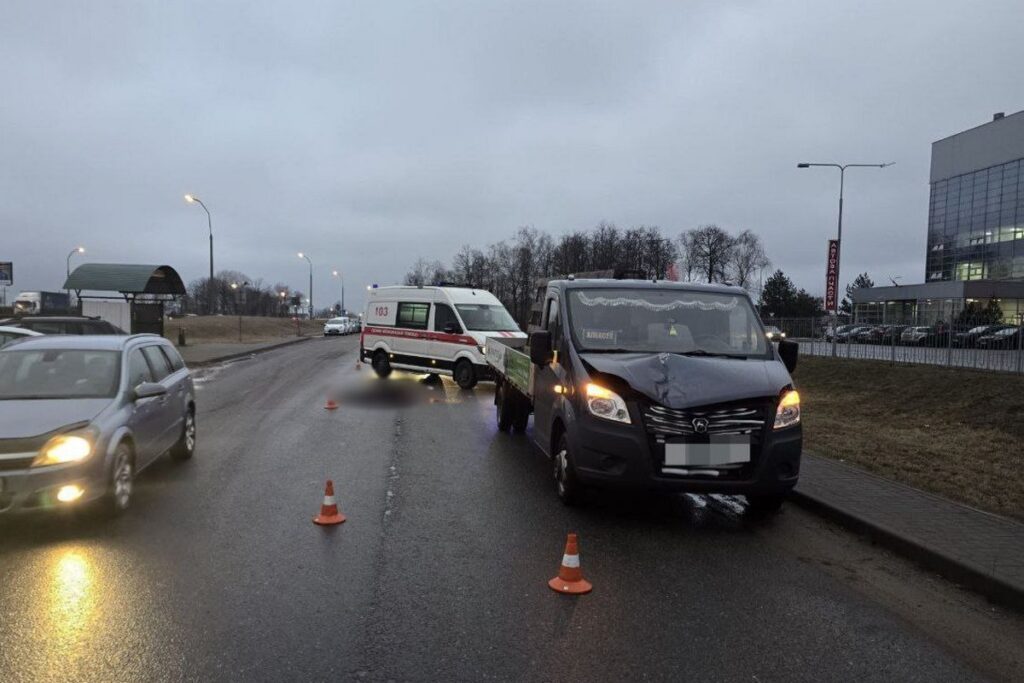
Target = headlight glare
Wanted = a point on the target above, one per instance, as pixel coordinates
(63, 449)
(606, 404)
(788, 412)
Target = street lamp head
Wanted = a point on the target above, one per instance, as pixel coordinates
(80, 250)
(888, 163)
(234, 285)
(301, 255)
(189, 198)
(803, 165)
(334, 273)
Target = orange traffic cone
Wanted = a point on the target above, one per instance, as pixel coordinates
(570, 577)
(329, 510)
(331, 404)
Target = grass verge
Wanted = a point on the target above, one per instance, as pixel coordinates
(225, 328)
(958, 433)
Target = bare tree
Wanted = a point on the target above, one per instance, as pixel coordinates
(709, 250)
(747, 259)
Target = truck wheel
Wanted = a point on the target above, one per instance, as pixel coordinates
(520, 412)
(465, 375)
(381, 364)
(503, 408)
(569, 489)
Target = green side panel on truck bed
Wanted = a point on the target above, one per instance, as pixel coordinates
(511, 364)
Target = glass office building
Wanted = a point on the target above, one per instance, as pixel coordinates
(975, 247)
(976, 214)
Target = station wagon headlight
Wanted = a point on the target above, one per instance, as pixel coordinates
(788, 412)
(606, 404)
(64, 449)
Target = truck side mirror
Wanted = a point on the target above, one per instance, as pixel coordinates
(540, 348)
(788, 352)
(452, 328)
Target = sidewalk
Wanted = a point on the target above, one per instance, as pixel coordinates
(981, 550)
(214, 352)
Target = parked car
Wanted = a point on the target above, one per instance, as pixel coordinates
(773, 333)
(969, 339)
(1004, 338)
(81, 416)
(926, 336)
(9, 334)
(892, 333)
(849, 335)
(869, 335)
(842, 329)
(63, 324)
(337, 326)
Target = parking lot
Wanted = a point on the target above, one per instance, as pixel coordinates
(440, 572)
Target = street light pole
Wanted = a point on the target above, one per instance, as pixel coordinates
(839, 228)
(302, 255)
(340, 277)
(209, 222)
(76, 250)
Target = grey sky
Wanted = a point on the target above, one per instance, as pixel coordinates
(368, 134)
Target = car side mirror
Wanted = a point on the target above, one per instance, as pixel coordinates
(540, 348)
(148, 390)
(788, 352)
(452, 328)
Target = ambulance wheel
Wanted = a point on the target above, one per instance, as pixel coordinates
(464, 374)
(504, 408)
(381, 364)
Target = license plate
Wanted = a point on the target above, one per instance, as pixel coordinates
(721, 450)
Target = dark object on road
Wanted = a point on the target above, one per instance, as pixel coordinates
(570, 576)
(64, 324)
(81, 416)
(660, 386)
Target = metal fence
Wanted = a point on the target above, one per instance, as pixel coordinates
(972, 344)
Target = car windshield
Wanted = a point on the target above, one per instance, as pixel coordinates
(487, 318)
(58, 373)
(665, 321)
(335, 321)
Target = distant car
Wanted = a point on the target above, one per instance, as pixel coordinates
(63, 324)
(891, 334)
(849, 335)
(969, 339)
(831, 333)
(9, 334)
(1003, 338)
(336, 327)
(81, 416)
(925, 336)
(773, 333)
(868, 335)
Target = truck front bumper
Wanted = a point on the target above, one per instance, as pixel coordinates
(624, 456)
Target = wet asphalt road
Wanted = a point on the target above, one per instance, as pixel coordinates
(440, 572)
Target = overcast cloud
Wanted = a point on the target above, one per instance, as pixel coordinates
(370, 133)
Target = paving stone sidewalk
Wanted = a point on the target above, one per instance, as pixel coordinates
(979, 549)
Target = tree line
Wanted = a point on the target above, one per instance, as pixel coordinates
(235, 293)
(511, 268)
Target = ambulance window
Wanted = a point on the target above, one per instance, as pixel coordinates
(413, 316)
(443, 315)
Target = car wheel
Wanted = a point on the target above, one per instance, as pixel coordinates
(381, 364)
(122, 482)
(465, 375)
(503, 409)
(567, 485)
(186, 445)
(765, 504)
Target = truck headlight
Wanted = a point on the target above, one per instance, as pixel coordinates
(606, 404)
(788, 412)
(63, 449)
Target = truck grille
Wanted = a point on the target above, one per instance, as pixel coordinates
(747, 418)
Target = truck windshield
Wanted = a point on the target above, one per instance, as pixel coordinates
(486, 318)
(58, 373)
(665, 321)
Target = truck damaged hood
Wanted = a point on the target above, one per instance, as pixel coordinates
(678, 381)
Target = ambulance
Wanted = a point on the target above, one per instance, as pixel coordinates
(436, 330)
